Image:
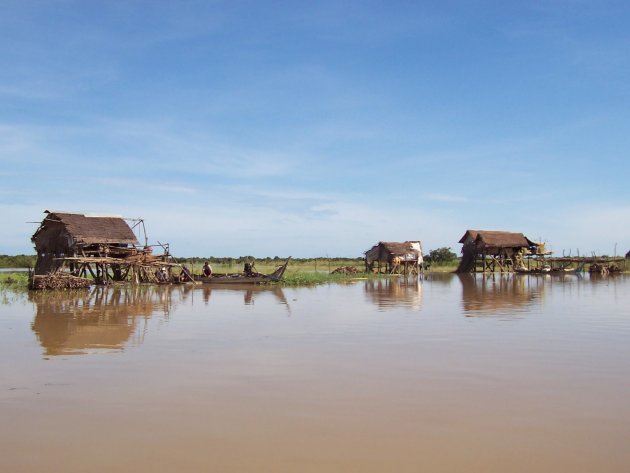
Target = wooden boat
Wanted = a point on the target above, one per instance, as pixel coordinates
(249, 277)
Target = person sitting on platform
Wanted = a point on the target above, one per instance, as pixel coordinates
(184, 275)
(207, 269)
(161, 275)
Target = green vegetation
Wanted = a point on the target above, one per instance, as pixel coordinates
(14, 279)
(441, 256)
(441, 260)
(18, 261)
(269, 265)
(448, 267)
(304, 278)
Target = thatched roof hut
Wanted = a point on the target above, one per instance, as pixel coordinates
(63, 234)
(504, 249)
(491, 240)
(394, 254)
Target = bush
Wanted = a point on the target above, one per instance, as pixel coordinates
(442, 255)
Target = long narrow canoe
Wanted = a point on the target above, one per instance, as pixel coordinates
(243, 278)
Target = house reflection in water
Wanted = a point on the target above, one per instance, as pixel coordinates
(391, 293)
(499, 294)
(104, 318)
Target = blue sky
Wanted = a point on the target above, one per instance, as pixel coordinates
(318, 128)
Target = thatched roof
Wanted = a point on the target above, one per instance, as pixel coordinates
(385, 250)
(396, 248)
(498, 239)
(90, 230)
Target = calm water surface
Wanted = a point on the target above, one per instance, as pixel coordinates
(446, 374)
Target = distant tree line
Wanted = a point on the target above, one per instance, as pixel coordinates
(228, 260)
(17, 261)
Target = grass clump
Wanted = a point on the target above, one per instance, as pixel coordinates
(309, 278)
(14, 279)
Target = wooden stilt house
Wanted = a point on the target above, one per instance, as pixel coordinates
(105, 248)
(395, 257)
(490, 251)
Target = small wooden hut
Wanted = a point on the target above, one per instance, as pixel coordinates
(489, 251)
(74, 245)
(395, 257)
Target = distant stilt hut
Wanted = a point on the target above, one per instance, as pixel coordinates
(490, 251)
(395, 257)
(75, 245)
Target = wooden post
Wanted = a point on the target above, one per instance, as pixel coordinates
(89, 267)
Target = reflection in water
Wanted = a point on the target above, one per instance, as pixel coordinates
(249, 291)
(10, 294)
(499, 294)
(73, 322)
(440, 278)
(398, 292)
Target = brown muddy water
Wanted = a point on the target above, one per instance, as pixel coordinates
(447, 374)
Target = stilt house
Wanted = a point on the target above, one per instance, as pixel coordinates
(394, 257)
(106, 247)
(490, 251)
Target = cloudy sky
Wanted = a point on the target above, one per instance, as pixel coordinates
(318, 128)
